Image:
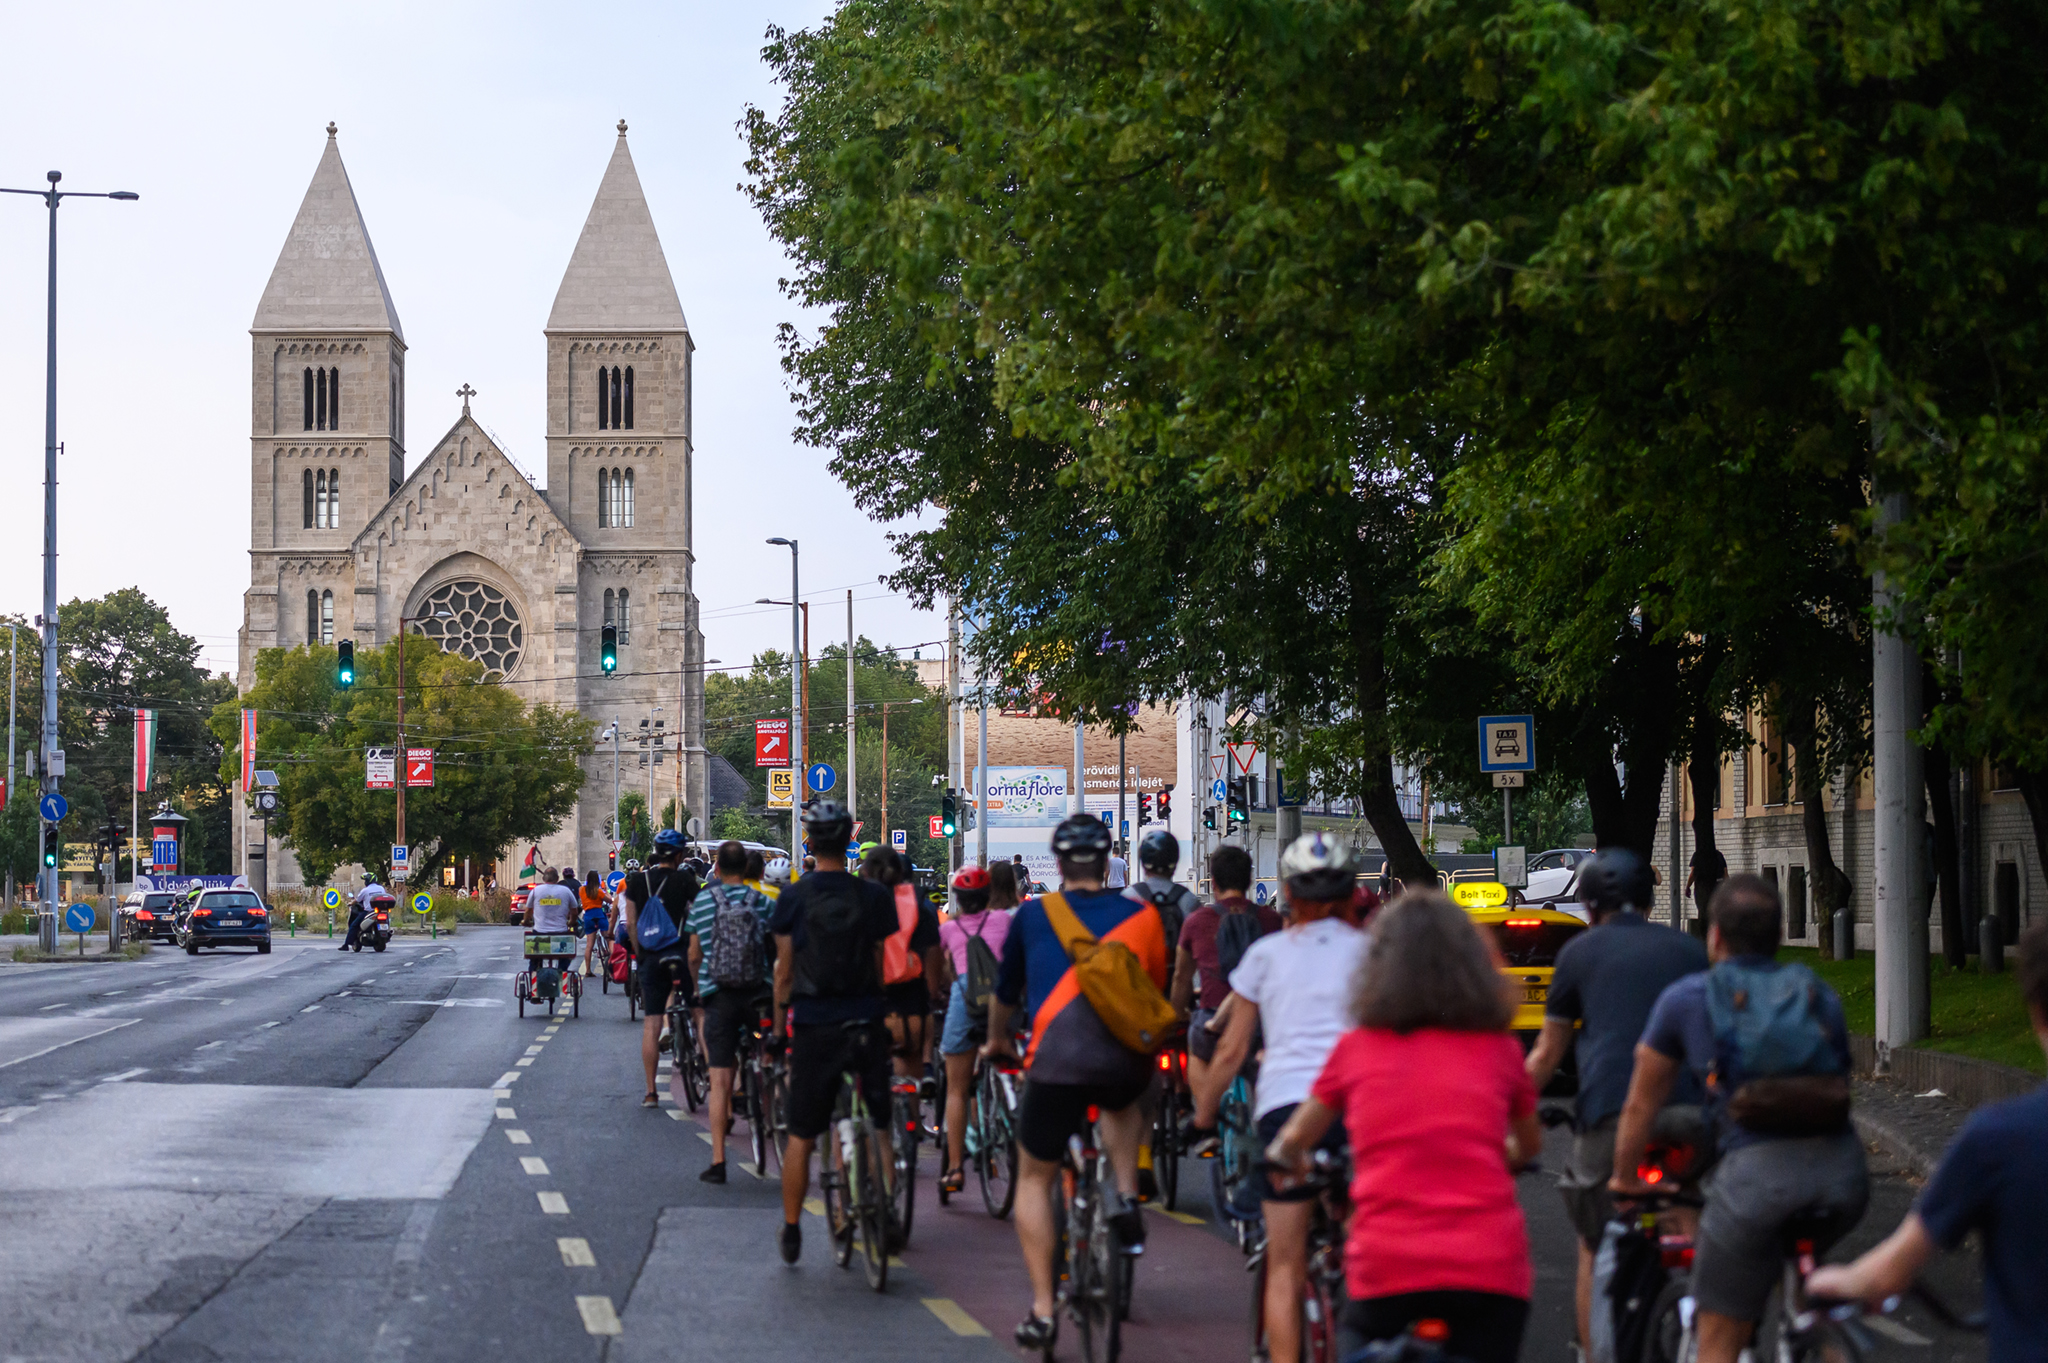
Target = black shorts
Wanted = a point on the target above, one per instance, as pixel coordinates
(659, 977)
(727, 1015)
(1049, 1113)
(1486, 1327)
(910, 999)
(1334, 1141)
(819, 1054)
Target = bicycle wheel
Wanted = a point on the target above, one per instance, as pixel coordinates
(632, 990)
(697, 1072)
(1255, 1269)
(995, 1163)
(756, 1111)
(1088, 1284)
(836, 1190)
(575, 996)
(938, 1127)
(1667, 1340)
(1166, 1145)
(1322, 1302)
(903, 1134)
(777, 1104)
(872, 1205)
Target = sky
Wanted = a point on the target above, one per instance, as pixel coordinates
(475, 136)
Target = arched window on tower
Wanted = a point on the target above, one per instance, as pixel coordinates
(610, 605)
(327, 617)
(625, 615)
(604, 399)
(626, 502)
(310, 510)
(334, 499)
(334, 399)
(309, 399)
(320, 399)
(312, 617)
(629, 397)
(618, 406)
(604, 499)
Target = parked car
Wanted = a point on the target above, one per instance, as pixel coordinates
(1554, 879)
(149, 916)
(219, 918)
(517, 914)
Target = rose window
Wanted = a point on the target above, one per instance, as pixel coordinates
(481, 624)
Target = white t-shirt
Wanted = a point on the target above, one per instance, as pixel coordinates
(1119, 872)
(551, 907)
(1301, 980)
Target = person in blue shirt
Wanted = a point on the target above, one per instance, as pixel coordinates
(1994, 1181)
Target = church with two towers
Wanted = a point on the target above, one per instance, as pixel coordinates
(346, 544)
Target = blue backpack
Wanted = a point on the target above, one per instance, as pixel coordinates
(1774, 1062)
(654, 927)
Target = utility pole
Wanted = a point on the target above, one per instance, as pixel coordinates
(1076, 802)
(852, 800)
(1286, 817)
(956, 726)
(1899, 913)
(12, 641)
(981, 779)
(1122, 779)
(797, 756)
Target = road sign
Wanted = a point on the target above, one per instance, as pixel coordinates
(613, 881)
(1479, 894)
(331, 897)
(423, 902)
(820, 777)
(1507, 743)
(54, 807)
(1285, 798)
(771, 742)
(419, 766)
(1509, 780)
(380, 768)
(899, 838)
(781, 788)
(401, 859)
(1511, 867)
(938, 826)
(78, 918)
(1242, 755)
(1219, 789)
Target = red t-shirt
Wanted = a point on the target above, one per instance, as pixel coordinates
(1433, 1203)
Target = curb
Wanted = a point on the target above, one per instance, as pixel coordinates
(1877, 1131)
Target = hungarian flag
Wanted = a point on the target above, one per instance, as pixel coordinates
(145, 750)
(531, 870)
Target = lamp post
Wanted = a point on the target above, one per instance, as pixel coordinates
(798, 744)
(403, 773)
(46, 929)
(613, 734)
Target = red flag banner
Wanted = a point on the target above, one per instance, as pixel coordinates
(248, 749)
(145, 750)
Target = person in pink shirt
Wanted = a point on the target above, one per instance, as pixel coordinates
(980, 911)
(1441, 1114)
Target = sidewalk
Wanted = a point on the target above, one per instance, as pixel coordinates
(1911, 1128)
(67, 947)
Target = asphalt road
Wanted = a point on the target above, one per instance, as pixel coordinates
(312, 1155)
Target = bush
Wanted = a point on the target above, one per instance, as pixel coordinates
(13, 924)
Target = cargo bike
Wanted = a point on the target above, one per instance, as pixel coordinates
(547, 979)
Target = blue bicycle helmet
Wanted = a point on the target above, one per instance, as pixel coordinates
(668, 839)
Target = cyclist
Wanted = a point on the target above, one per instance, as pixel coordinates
(664, 971)
(1815, 1172)
(1605, 984)
(757, 875)
(594, 921)
(1201, 976)
(726, 1007)
(974, 918)
(1297, 983)
(1431, 1089)
(910, 958)
(1993, 1181)
(1074, 1062)
(775, 877)
(829, 929)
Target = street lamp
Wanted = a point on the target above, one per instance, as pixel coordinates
(798, 742)
(613, 734)
(46, 928)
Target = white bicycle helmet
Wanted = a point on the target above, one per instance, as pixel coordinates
(777, 871)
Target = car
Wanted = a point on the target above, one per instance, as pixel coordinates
(149, 916)
(516, 915)
(219, 918)
(1529, 939)
(1554, 879)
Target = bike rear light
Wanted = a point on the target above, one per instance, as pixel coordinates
(1676, 1251)
(1094, 1113)
(1433, 1330)
(1649, 1173)
(1166, 1060)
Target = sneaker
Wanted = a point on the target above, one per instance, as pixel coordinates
(1245, 1202)
(792, 1242)
(1148, 1186)
(1128, 1224)
(1038, 1332)
(714, 1174)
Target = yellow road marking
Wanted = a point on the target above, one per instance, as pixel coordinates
(576, 1252)
(815, 1206)
(534, 1164)
(554, 1204)
(953, 1317)
(598, 1316)
(1183, 1217)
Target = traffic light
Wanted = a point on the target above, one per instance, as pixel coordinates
(1238, 807)
(1144, 809)
(608, 648)
(345, 664)
(50, 857)
(949, 815)
(1165, 805)
(1209, 817)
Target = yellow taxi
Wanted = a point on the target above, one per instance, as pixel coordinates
(1529, 939)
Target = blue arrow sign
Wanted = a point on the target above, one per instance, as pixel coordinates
(614, 880)
(54, 807)
(78, 918)
(331, 897)
(422, 902)
(821, 778)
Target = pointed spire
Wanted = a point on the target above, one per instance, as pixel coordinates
(618, 278)
(327, 276)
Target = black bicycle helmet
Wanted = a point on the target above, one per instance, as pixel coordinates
(1613, 879)
(1081, 837)
(1318, 866)
(1159, 851)
(828, 826)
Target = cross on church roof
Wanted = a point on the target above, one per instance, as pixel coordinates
(465, 393)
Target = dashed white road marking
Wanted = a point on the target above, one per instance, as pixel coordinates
(533, 1164)
(211, 1044)
(523, 1061)
(554, 1204)
(576, 1252)
(501, 1094)
(48, 1006)
(506, 1114)
(261, 1025)
(8, 1114)
(517, 1137)
(124, 1075)
(508, 1077)
(598, 1316)
(533, 1050)
(310, 1008)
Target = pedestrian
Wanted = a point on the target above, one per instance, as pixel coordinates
(1119, 869)
(1430, 1086)
(1992, 1180)
(1601, 993)
(1006, 882)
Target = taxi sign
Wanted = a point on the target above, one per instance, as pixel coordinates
(1479, 894)
(423, 902)
(331, 897)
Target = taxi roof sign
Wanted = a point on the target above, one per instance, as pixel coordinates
(1479, 894)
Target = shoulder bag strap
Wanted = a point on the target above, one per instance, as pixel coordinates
(1066, 924)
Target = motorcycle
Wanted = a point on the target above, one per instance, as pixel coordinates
(375, 927)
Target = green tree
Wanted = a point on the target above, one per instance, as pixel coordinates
(504, 772)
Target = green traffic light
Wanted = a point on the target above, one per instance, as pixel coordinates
(608, 648)
(345, 664)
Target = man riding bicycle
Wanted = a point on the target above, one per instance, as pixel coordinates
(829, 929)
(1768, 1042)
(728, 936)
(1075, 1061)
(665, 965)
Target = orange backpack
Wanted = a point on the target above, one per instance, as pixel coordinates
(900, 965)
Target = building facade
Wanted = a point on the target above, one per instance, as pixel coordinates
(352, 536)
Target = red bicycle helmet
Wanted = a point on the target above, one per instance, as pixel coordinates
(970, 888)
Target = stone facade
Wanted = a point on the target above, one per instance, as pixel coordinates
(344, 543)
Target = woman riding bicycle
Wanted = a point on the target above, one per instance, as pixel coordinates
(975, 916)
(1440, 1112)
(1298, 983)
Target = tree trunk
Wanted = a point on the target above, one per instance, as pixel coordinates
(1626, 815)
(1829, 886)
(1381, 803)
(1947, 858)
(1703, 767)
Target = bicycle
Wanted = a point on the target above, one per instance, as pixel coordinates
(1169, 1125)
(762, 1091)
(547, 977)
(1092, 1268)
(687, 1049)
(1230, 1169)
(851, 1178)
(906, 1127)
(994, 1135)
(1322, 1289)
(1834, 1331)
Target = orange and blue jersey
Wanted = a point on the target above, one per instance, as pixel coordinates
(1069, 1044)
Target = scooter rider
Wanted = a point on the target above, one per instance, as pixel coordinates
(360, 908)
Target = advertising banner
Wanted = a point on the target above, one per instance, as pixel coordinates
(145, 750)
(1025, 797)
(771, 742)
(380, 768)
(419, 766)
(248, 750)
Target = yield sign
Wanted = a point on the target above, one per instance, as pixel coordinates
(1216, 760)
(1242, 755)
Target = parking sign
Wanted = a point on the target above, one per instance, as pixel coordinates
(899, 838)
